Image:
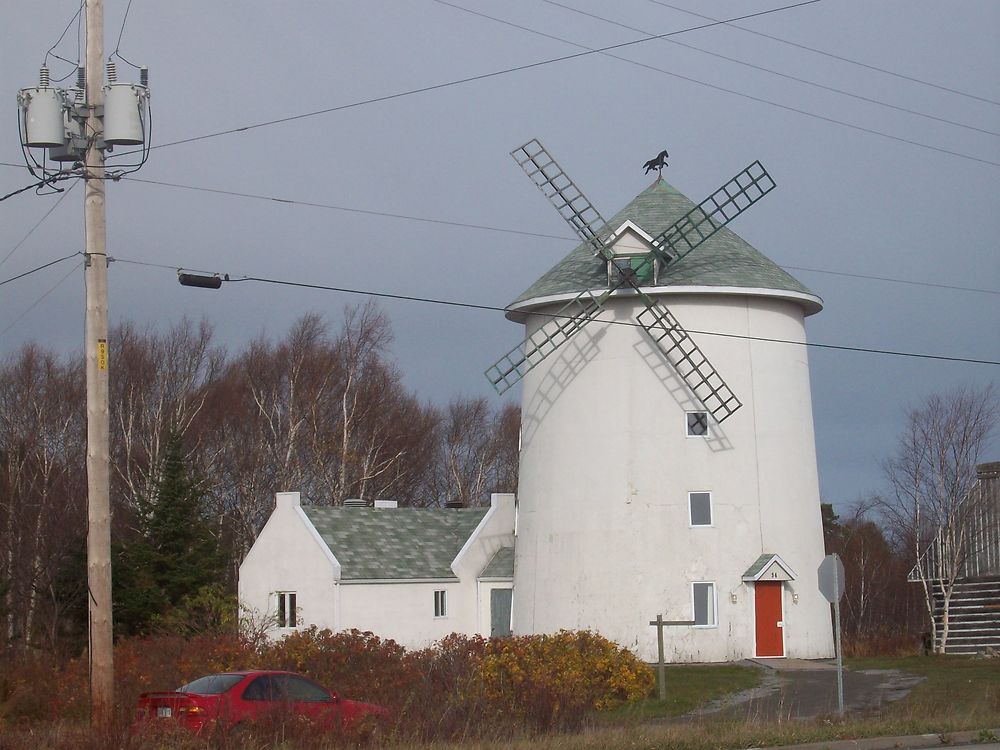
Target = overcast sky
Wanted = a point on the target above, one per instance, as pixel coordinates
(865, 189)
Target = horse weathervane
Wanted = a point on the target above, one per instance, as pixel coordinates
(657, 163)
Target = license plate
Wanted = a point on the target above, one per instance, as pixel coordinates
(163, 712)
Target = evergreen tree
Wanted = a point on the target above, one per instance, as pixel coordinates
(176, 553)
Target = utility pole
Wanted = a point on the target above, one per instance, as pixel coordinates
(96, 352)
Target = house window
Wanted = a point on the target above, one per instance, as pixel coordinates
(287, 612)
(697, 424)
(700, 508)
(441, 603)
(703, 595)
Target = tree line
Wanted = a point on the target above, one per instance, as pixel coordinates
(205, 437)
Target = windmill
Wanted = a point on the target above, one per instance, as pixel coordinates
(666, 248)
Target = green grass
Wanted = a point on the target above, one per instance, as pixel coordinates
(954, 686)
(688, 687)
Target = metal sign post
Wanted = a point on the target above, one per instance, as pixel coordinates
(831, 585)
(661, 665)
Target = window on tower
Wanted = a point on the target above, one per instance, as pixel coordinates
(697, 424)
(700, 508)
(703, 599)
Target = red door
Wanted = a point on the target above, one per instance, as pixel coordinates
(767, 610)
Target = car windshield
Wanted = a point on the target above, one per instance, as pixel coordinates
(211, 685)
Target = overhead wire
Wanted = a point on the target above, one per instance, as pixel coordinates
(508, 230)
(38, 301)
(51, 51)
(479, 77)
(831, 55)
(39, 268)
(38, 223)
(118, 46)
(779, 73)
(230, 278)
(760, 100)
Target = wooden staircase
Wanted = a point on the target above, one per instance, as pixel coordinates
(974, 616)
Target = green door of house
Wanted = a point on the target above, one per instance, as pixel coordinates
(500, 613)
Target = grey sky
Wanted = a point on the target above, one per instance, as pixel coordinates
(847, 200)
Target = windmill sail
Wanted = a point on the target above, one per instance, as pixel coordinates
(562, 192)
(688, 360)
(713, 213)
(513, 365)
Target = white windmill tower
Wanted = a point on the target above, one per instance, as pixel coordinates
(649, 485)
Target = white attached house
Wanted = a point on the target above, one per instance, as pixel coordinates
(413, 575)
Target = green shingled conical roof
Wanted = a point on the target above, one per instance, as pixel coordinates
(723, 260)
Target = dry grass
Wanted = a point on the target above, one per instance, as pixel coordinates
(958, 694)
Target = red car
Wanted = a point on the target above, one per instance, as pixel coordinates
(230, 699)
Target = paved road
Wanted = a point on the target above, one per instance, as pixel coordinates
(798, 689)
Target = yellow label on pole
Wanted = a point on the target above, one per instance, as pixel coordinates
(102, 354)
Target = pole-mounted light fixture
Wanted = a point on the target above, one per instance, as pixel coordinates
(199, 280)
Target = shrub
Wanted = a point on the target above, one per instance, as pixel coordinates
(555, 680)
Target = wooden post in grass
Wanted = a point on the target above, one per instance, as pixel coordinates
(661, 665)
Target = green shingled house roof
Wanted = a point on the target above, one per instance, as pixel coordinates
(724, 260)
(395, 543)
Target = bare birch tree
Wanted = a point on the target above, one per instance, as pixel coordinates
(41, 488)
(931, 476)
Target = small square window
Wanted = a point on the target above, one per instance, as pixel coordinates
(441, 603)
(697, 424)
(287, 611)
(700, 508)
(703, 595)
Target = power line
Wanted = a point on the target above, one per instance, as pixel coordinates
(494, 308)
(833, 56)
(471, 79)
(507, 230)
(759, 100)
(46, 215)
(779, 73)
(333, 207)
(38, 301)
(39, 268)
(40, 184)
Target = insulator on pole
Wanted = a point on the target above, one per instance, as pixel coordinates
(199, 280)
(144, 76)
(112, 71)
(43, 78)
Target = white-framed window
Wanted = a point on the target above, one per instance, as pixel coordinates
(700, 508)
(440, 603)
(697, 424)
(704, 604)
(287, 610)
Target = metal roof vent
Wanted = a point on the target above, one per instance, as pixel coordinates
(386, 504)
(355, 503)
(454, 504)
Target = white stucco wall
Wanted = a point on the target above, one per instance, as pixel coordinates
(604, 540)
(288, 555)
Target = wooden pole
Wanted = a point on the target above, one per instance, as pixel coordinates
(96, 353)
(661, 665)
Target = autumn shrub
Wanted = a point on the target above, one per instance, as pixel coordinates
(552, 681)
(28, 686)
(355, 664)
